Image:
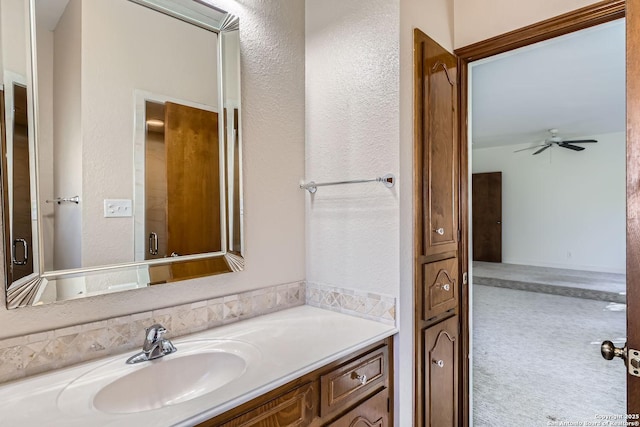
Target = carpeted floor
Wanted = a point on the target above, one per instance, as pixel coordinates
(536, 359)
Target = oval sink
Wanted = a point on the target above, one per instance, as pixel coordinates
(197, 368)
(167, 382)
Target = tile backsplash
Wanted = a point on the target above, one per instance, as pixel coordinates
(36, 353)
(40, 352)
(355, 303)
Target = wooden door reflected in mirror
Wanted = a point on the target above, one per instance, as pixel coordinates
(182, 188)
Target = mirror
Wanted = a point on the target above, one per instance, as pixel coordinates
(135, 155)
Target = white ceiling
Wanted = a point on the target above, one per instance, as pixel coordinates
(575, 83)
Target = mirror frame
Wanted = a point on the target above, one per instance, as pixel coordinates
(28, 291)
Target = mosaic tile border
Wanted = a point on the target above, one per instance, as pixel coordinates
(36, 353)
(355, 303)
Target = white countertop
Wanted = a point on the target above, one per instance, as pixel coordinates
(291, 343)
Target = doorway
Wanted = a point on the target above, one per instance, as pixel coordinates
(525, 324)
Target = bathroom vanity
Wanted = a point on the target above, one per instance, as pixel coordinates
(302, 366)
(352, 391)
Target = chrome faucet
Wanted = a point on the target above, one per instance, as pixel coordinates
(154, 346)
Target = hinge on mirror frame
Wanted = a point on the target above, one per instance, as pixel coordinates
(633, 357)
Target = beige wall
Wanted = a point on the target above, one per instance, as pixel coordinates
(67, 142)
(272, 45)
(479, 20)
(14, 34)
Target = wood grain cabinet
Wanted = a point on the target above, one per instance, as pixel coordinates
(371, 413)
(354, 391)
(440, 287)
(441, 353)
(438, 250)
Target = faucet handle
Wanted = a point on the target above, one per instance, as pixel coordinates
(154, 330)
(154, 334)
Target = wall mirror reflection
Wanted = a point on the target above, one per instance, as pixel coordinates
(134, 173)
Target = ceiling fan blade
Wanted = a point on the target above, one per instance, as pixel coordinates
(530, 148)
(542, 149)
(579, 141)
(571, 147)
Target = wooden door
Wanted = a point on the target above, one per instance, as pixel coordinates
(633, 197)
(437, 231)
(22, 244)
(193, 180)
(487, 216)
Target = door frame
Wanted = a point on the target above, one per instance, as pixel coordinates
(589, 16)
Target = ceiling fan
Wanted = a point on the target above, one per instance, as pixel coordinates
(555, 139)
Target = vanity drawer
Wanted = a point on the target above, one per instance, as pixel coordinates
(441, 287)
(355, 380)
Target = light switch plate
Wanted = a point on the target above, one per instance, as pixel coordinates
(118, 208)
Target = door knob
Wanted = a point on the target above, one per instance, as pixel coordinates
(609, 351)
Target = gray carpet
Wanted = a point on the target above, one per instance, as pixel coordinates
(536, 358)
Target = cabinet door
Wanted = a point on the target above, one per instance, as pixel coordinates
(440, 289)
(441, 346)
(436, 150)
(295, 408)
(373, 412)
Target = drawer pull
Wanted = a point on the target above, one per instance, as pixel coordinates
(440, 231)
(361, 378)
(440, 363)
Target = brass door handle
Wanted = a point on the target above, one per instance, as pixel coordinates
(609, 351)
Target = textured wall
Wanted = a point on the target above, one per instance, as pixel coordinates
(352, 133)
(562, 208)
(272, 45)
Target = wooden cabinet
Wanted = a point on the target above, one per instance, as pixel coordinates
(441, 354)
(346, 384)
(436, 153)
(371, 413)
(295, 408)
(354, 391)
(438, 254)
(440, 287)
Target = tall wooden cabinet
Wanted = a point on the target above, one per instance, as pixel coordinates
(437, 236)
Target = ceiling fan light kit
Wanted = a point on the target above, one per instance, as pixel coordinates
(555, 139)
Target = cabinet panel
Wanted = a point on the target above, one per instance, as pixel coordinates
(437, 151)
(295, 408)
(440, 287)
(441, 374)
(371, 413)
(354, 380)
